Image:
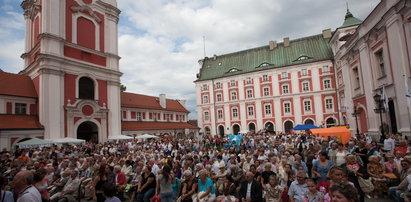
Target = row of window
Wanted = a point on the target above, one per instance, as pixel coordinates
(268, 109)
(139, 116)
(266, 91)
(265, 77)
(379, 70)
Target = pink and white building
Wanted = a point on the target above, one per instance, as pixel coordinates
(373, 56)
(273, 87)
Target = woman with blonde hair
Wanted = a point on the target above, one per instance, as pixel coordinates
(376, 170)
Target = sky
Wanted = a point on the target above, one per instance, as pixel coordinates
(161, 41)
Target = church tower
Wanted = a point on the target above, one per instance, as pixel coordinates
(71, 54)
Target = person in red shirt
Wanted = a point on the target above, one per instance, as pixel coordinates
(402, 147)
(120, 177)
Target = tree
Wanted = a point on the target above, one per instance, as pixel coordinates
(123, 88)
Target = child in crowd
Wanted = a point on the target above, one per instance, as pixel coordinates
(313, 195)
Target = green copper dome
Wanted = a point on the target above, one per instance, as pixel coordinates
(350, 20)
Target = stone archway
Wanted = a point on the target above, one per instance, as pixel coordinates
(269, 127)
(236, 129)
(330, 122)
(288, 125)
(309, 121)
(88, 131)
(207, 131)
(221, 130)
(251, 127)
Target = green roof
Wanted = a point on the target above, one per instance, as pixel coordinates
(350, 20)
(300, 51)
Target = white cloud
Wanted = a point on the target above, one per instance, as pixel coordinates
(156, 61)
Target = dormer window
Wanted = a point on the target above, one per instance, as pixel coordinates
(302, 57)
(264, 64)
(234, 69)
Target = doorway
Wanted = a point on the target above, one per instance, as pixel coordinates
(88, 131)
(236, 129)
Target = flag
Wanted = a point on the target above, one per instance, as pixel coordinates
(384, 98)
(407, 91)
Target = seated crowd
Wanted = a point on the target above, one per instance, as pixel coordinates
(281, 167)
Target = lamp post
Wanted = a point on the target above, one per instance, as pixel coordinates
(355, 114)
(380, 109)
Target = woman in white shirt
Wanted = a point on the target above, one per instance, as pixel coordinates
(340, 155)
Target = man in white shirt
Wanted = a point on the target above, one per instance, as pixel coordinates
(389, 144)
(23, 182)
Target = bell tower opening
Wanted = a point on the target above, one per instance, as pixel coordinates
(86, 88)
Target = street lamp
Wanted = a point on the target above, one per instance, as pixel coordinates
(380, 109)
(355, 114)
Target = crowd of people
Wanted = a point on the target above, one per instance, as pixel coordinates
(295, 167)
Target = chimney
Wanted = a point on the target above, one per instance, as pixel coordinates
(162, 98)
(273, 44)
(286, 41)
(327, 33)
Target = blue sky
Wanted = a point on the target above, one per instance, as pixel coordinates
(161, 41)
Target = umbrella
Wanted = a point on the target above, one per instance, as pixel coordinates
(120, 137)
(68, 140)
(35, 142)
(146, 136)
(304, 127)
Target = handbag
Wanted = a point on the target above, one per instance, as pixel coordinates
(366, 185)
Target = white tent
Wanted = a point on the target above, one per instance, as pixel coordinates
(146, 136)
(120, 137)
(35, 142)
(68, 140)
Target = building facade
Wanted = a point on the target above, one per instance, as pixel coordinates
(372, 61)
(70, 82)
(273, 87)
(143, 114)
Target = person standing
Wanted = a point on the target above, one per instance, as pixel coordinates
(23, 182)
(164, 184)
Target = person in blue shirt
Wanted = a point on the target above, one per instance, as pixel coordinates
(205, 188)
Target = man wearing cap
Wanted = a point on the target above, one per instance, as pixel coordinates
(23, 181)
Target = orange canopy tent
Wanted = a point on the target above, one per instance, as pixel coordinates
(342, 133)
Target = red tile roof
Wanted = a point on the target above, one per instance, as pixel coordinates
(16, 85)
(149, 102)
(10, 122)
(142, 125)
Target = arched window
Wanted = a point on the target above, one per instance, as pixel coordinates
(86, 88)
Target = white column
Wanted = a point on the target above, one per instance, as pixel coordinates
(114, 107)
